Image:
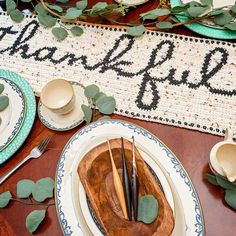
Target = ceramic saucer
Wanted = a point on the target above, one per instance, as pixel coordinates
(68, 121)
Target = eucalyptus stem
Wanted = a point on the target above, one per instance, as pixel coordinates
(33, 203)
(119, 23)
(189, 21)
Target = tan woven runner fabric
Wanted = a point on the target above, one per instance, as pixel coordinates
(161, 77)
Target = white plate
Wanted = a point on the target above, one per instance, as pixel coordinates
(185, 197)
(91, 220)
(65, 122)
(131, 2)
(13, 116)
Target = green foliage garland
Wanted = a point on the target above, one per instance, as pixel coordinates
(161, 18)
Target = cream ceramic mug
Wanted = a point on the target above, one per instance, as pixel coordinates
(223, 157)
(58, 96)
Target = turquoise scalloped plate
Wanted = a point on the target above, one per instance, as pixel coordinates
(19, 139)
(203, 29)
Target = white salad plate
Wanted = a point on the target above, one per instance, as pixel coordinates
(13, 116)
(187, 209)
(68, 121)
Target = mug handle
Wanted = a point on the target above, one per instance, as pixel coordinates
(228, 135)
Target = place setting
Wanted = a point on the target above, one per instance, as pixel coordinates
(17, 113)
(78, 212)
(107, 93)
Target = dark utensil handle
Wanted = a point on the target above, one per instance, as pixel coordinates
(135, 190)
(127, 190)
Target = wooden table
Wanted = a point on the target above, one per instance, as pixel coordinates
(191, 147)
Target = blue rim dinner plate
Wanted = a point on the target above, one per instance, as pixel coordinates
(19, 116)
(76, 147)
(19, 139)
(204, 29)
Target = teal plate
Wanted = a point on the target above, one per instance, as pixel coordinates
(203, 29)
(19, 139)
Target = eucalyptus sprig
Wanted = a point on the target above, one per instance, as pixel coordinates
(230, 188)
(35, 193)
(161, 18)
(4, 100)
(99, 102)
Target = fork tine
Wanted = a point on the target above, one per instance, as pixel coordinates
(44, 143)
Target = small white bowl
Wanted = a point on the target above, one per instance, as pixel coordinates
(58, 96)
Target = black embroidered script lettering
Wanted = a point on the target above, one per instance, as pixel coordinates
(114, 60)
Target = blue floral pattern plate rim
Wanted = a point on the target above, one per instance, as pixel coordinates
(195, 221)
(26, 127)
(53, 126)
(20, 119)
(204, 29)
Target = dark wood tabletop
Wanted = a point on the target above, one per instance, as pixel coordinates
(191, 147)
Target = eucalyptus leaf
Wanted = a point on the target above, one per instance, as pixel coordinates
(99, 6)
(105, 118)
(60, 33)
(10, 5)
(87, 113)
(164, 25)
(106, 105)
(47, 20)
(73, 13)
(112, 6)
(4, 102)
(233, 8)
(62, 1)
(136, 30)
(179, 9)
(207, 2)
(224, 183)
(43, 189)
(230, 198)
(216, 12)
(55, 7)
(211, 179)
(194, 4)
(223, 18)
(2, 87)
(153, 14)
(91, 91)
(5, 199)
(34, 219)
(16, 15)
(76, 31)
(231, 26)
(196, 11)
(24, 188)
(147, 209)
(81, 5)
(99, 95)
(40, 9)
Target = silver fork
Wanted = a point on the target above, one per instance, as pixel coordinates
(36, 152)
